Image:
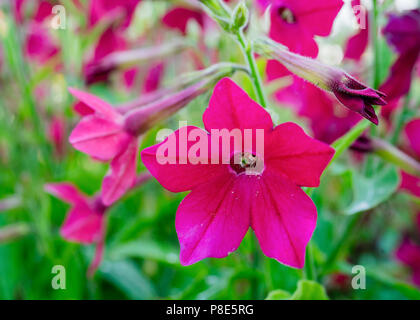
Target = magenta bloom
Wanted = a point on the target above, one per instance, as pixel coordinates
(110, 41)
(403, 33)
(295, 23)
(409, 254)
(261, 190)
(121, 11)
(178, 18)
(39, 46)
(358, 43)
(102, 136)
(56, 132)
(85, 220)
(85, 223)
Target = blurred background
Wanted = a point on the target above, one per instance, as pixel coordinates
(43, 52)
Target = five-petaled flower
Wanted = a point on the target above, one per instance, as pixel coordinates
(295, 23)
(224, 200)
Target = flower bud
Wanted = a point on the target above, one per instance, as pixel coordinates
(349, 91)
(240, 16)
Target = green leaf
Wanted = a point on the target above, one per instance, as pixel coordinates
(278, 295)
(309, 290)
(370, 192)
(127, 277)
(306, 290)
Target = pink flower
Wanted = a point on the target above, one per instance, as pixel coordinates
(38, 44)
(178, 18)
(403, 33)
(358, 43)
(56, 134)
(224, 200)
(409, 254)
(327, 119)
(85, 220)
(295, 23)
(102, 136)
(121, 11)
(153, 77)
(85, 223)
(110, 41)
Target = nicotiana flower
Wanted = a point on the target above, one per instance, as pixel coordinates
(403, 33)
(328, 120)
(39, 45)
(348, 90)
(295, 23)
(357, 44)
(86, 221)
(253, 185)
(408, 253)
(120, 12)
(108, 135)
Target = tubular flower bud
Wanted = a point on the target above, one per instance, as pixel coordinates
(352, 93)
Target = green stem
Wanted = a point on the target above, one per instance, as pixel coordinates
(255, 75)
(375, 40)
(309, 270)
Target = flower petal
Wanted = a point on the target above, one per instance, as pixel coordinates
(179, 17)
(96, 104)
(410, 184)
(291, 152)
(171, 164)
(82, 225)
(228, 105)
(66, 192)
(122, 175)
(283, 219)
(412, 130)
(317, 16)
(213, 219)
(98, 137)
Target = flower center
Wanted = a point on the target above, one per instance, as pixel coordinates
(248, 163)
(286, 15)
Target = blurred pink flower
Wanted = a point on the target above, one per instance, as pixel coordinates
(110, 41)
(357, 44)
(403, 33)
(224, 202)
(153, 77)
(114, 12)
(102, 136)
(85, 220)
(409, 254)
(295, 23)
(178, 18)
(38, 44)
(328, 120)
(56, 133)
